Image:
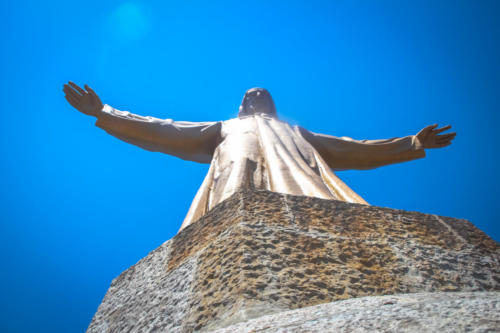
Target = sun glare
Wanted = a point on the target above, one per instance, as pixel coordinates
(129, 22)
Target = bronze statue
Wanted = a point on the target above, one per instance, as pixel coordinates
(256, 149)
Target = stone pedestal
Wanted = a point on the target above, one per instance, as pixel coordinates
(260, 253)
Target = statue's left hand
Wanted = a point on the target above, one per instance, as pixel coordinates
(86, 101)
(429, 138)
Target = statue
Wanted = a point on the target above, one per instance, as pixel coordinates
(256, 149)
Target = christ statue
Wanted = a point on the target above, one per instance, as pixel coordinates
(256, 150)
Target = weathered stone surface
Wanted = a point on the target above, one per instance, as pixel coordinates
(261, 252)
(144, 298)
(451, 312)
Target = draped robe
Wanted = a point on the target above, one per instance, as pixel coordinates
(258, 151)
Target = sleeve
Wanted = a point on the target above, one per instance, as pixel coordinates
(343, 153)
(187, 140)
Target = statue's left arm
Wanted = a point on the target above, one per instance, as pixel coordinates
(193, 141)
(342, 153)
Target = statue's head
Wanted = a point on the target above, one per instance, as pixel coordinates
(257, 100)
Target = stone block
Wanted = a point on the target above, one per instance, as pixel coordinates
(261, 252)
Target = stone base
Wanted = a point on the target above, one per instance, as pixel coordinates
(261, 252)
(449, 312)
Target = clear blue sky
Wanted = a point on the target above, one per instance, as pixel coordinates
(79, 206)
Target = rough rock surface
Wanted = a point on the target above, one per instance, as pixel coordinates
(451, 312)
(261, 252)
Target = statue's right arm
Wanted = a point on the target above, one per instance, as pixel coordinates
(194, 141)
(344, 153)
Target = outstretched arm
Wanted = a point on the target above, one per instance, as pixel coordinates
(342, 153)
(187, 140)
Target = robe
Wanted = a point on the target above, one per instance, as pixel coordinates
(258, 151)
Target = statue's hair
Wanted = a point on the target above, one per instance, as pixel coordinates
(265, 93)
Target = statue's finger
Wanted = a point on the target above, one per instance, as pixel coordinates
(75, 96)
(423, 132)
(428, 129)
(443, 138)
(77, 88)
(446, 139)
(75, 103)
(442, 129)
(97, 100)
(446, 136)
(72, 98)
(72, 93)
(443, 142)
(91, 91)
(68, 88)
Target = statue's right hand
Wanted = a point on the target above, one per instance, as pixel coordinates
(85, 101)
